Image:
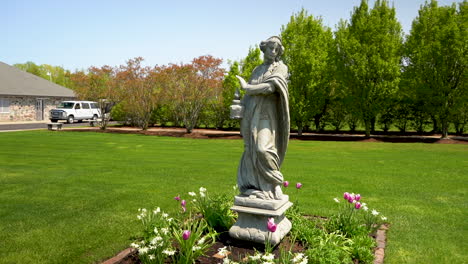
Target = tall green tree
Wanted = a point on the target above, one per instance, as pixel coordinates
(252, 60)
(436, 58)
(369, 58)
(55, 74)
(230, 84)
(308, 48)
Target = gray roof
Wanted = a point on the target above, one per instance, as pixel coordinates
(14, 81)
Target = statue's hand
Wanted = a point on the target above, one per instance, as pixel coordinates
(243, 83)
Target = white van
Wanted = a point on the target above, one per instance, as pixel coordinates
(75, 110)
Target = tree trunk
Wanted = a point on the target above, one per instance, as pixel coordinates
(435, 126)
(367, 124)
(444, 129)
(317, 122)
(372, 124)
(299, 128)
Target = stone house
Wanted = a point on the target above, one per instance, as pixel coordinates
(27, 97)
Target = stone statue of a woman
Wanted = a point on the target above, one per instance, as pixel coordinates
(265, 125)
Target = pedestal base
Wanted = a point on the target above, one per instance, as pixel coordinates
(251, 223)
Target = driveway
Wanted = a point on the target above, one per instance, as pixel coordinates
(32, 125)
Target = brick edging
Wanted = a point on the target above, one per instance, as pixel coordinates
(121, 256)
(381, 239)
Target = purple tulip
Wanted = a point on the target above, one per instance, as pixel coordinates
(346, 195)
(186, 234)
(357, 197)
(285, 183)
(350, 199)
(183, 203)
(177, 198)
(271, 225)
(298, 185)
(357, 205)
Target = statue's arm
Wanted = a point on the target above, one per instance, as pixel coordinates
(255, 89)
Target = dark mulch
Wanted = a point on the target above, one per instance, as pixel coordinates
(239, 250)
(221, 134)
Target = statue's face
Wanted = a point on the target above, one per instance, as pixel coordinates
(271, 50)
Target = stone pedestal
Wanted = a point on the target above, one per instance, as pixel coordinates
(253, 215)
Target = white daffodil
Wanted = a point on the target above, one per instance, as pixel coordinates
(201, 241)
(151, 257)
(374, 212)
(165, 230)
(134, 245)
(383, 218)
(192, 194)
(169, 252)
(195, 248)
(142, 251)
(298, 257)
(223, 251)
(304, 261)
(202, 189)
(202, 194)
(155, 240)
(365, 208)
(164, 215)
(268, 257)
(157, 210)
(256, 256)
(336, 200)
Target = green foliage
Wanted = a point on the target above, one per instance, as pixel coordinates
(55, 74)
(250, 62)
(436, 55)
(200, 239)
(156, 243)
(216, 209)
(230, 84)
(369, 55)
(308, 55)
(118, 112)
(330, 248)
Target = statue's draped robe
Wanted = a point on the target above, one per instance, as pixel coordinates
(265, 129)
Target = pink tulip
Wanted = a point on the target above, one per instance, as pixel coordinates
(183, 203)
(346, 195)
(350, 199)
(285, 183)
(357, 197)
(298, 185)
(271, 225)
(177, 198)
(357, 205)
(186, 234)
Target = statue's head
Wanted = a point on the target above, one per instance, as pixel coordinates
(273, 41)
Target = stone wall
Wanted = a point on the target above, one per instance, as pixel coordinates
(23, 108)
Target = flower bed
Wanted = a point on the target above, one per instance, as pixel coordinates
(198, 234)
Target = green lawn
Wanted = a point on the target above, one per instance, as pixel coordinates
(72, 197)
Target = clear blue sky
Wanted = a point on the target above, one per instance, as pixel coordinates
(82, 33)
